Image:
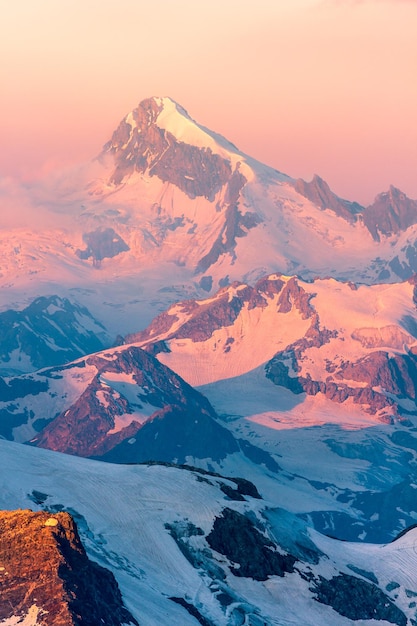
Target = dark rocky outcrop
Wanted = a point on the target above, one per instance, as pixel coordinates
(235, 536)
(191, 609)
(46, 572)
(357, 599)
(17, 387)
(103, 243)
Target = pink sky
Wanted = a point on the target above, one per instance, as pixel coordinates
(307, 86)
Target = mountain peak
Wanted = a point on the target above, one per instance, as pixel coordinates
(164, 118)
(319, 192)
(392, 192)
(160, 139)
(391, 212)
(154, 110)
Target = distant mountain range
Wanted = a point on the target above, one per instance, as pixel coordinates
(170, 209)
(50, 331)
(235, 353)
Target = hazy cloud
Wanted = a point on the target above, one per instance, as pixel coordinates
(36, 205)
(17, 208)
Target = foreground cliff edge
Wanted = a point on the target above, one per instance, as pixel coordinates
(47, 578)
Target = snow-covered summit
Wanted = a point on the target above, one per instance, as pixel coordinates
(176, 120)
(173, 210)
(159, 128)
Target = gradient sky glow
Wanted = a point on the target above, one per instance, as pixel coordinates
(307, 86)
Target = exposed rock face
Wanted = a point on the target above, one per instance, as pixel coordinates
(358, 599)
(255, 556)
(236, 223)
(173, 434)
(381, 376)
(203, 318)
(382, 372)
(140, 145)
(391, 213)
(50, 331)
(162, 417)
(294, 295)
(102, 244)
(319, 192)
(45, 573)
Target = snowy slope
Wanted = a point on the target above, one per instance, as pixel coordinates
(155, 526)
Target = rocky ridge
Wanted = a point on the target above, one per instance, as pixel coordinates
(136, 389)
(122, 405)
(319, 192)
(47, 578)
(374, 365)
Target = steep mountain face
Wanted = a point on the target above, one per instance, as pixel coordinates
(121, 405)
(47, 578)
(159, 142)
(185, 547)
(139, 144)
(50, 331)
(319, 192)
(302, 335)
(390, 213)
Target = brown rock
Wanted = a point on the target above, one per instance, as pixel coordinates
(44, 571)
(319, 192)
(294, 295)
(390, 213)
